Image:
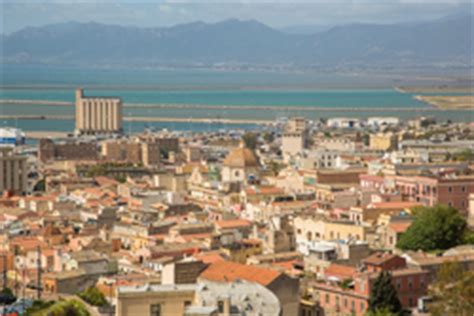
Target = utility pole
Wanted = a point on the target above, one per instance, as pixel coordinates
(38, 285)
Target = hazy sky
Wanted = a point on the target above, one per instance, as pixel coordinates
(17, 14)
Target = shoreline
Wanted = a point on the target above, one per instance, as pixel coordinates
(236, 107)
(448, 103)
(434, 89)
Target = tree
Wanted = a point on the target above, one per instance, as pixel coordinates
(434, 228)
(383, 295)
(453, 291)
(275, 167)
(268, 137)
(381, 312)
(93, 296)
(250, 140)
(7, 297)
(60, 308)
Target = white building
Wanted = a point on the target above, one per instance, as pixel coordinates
(377, 122)
(344, 122)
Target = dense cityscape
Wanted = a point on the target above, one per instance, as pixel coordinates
(344, 216)
(236, 158)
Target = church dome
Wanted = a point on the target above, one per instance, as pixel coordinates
(241, 157)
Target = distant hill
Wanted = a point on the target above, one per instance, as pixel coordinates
(446, 41)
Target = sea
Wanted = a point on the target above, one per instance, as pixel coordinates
(212, 94)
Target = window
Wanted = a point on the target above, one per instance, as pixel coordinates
(345, 302)
(155, 310)
(362, 306)
(327, 298)
(450, 189)
(410, 283)
(220, 306)
(463, 189)
(450, 204)
(410, 301)
(399, 284)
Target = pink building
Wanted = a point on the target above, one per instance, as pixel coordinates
(410, 284)
(452, 191)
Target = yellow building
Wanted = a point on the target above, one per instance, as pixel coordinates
(241, 251)
(383, 141)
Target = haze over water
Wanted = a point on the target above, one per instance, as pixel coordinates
(212, 94)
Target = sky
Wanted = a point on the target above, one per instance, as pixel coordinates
(17, 14)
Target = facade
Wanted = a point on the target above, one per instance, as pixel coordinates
(11, 137)
(13, 172)
(235, 298)
(49, 151)
(240, 166)
(294, 138)
(154, 300)
(451, 191)
(284, 287)
(470, 217)
(135, 152)
(320, 159)
(383, 141)
(98, 115)
(410, 284)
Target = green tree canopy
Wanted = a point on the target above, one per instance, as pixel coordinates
(453, 291)
(60, 308)
(383, 296)
(7, 296)
(93, 296)
(250, 140)
(434, 228)
(381, 312)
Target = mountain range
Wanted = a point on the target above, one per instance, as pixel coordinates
(445, 42)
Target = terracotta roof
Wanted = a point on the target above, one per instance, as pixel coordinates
(209, 257)
(264, 190)
(241, 157)
(340, 271)
(379, 258)
(233, 223)
(106, 181)
(399, 227)
(227, 271)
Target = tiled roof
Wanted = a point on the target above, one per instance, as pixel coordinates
(209, 257)
(241, 157)
(340, 271)
(399, 227)
(379, 258)
(263, 190)
(227, 271)
(233, 223)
